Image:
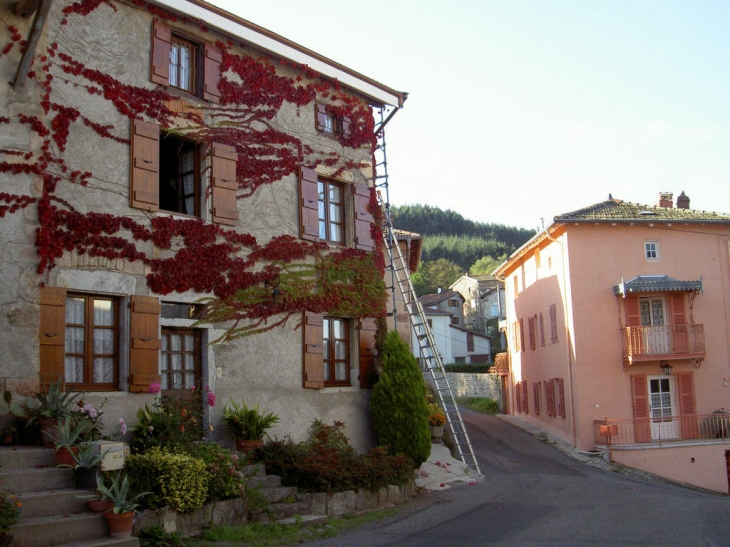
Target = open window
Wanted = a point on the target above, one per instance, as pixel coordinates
(180, 175)
(330, 123)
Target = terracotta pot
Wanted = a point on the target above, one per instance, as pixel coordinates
(99, 506)
(248, 446)
(64, 457)
(120, 525)
(47, 426)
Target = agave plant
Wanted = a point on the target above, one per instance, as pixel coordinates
(118, 493)
(248, 423)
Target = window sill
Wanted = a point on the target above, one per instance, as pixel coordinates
(339, 389)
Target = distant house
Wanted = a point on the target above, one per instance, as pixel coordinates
(619, 335)
(483, 304)
(448, 301)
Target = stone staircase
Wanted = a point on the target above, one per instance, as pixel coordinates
(52, 512)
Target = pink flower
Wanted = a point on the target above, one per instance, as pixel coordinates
(90, 411)
(122, 426)
(211, 398)
(192, 388)
(154, 387)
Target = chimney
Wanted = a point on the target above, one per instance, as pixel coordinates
(682, 201)
(665, 199)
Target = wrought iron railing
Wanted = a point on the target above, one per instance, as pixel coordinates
(662, 431)
(501, 363)
(663, 340)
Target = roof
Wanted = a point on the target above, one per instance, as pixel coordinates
(469, 331)
(282, 48)
(429, 300)
(616, 210)
(436, 311)
(414, 244)
(655, 283)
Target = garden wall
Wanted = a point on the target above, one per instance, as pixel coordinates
(465, 384)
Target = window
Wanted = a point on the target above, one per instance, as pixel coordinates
(454, 320)
(328, 122)
(179, 184)
(183, 58)
(651, 251)
(531, 331)
(336, 351)
(331, 211)
(493, 310)
(430, 323)
(553, 324)
(180, 363)
(453, 303)
(91, 341)
(560, 396)
(469, 342)
(542, 330)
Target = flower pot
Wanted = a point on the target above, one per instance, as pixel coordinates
(64, 457)
(247, 446)
(85, 478)
(437, 431)
(99, 506)
(47, 427)
(120, 525)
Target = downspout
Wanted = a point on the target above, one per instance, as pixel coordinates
(567, 335)
(23, 8)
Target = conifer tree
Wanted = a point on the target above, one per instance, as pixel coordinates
(398, 403)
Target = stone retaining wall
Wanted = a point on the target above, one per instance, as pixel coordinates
(465, 384)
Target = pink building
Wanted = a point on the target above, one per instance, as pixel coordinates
(618, 324)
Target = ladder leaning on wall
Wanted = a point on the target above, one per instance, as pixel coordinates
(400, 277)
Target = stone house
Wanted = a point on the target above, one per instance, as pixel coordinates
(156, 156)
(618, 335)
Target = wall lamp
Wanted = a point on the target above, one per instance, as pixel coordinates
(666, 367)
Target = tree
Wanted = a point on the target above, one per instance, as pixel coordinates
(486, 265)
(432, 275)
(398, 403)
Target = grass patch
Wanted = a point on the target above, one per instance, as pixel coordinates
(255, 534)
(481, 404)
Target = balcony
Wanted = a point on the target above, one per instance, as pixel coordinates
(501, 364)
(664, 431)
(666, 342)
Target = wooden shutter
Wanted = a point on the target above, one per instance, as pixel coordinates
(223, 183)
(363, 218)
(321, 117)
(469, 341)
(144, 171)
(550, 397)
(313, 374)
(633, 316)
(525, 398)
(687, 411)
(640, 395)
(160, 61)
(679, 324)
(536, 395)
(522, 336)
(368, 352)
(518, 397)
(144, 334)
(531, 331)
(52, 335)
(346, 126)
(212, 59)
(561, 397)
(308, 210)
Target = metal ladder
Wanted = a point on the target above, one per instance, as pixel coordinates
(400, 277)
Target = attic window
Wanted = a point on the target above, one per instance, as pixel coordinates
(647, 213)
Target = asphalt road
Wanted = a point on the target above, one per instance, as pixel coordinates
(534, 494)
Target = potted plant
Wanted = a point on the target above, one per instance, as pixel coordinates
(68, 433)
(121, 516)
(86, 466)
(248, 424)
(54, 405)
(436, 421)
(9, 515)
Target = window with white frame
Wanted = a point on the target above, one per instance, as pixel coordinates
(651, 251)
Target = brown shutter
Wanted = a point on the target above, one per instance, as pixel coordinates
(679, 324)
(144, 181)
(536, 394)
(160, 61)
(561, 397)
(469, 341)
(52, 334)
(368, 352)
(144, 334)
(640, 394)
(308, 195)
(363, 218)
(518, 397)
(633, 316)
(321, 117)
(686, 394)
(223, 183)
(313, 376)
(346, 126)
(522, 336)
(211, 73)
(525, 398)
(531, 331)
(550, 397)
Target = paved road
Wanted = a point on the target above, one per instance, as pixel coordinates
(534, 494)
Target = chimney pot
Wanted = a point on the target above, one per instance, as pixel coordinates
(665, 199)
(682, 201)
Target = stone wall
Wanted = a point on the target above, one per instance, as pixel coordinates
(474, 385)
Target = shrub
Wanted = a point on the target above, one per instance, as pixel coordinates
(9, 509)
(482, 404)
(226, 471)
(479, 368)
(328, 463)
(398, 403)
(179, 481)
(155, 536)
(167, 424)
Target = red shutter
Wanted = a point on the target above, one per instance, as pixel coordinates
(525, 398)
(640, 394)
(144, 171)
(363, 218)
(561, 397)
(368, 352)
(52, 334)
(633, 316)
(313, 371)
(309, 212)
(679, 324)
(321, 117)
(536, 395)
(160, 61)
(531, 331)
(518, 397)
(522, 336)
(687, 411)
(224, 185)
(211, 73)
(550, 397)
(144, 334)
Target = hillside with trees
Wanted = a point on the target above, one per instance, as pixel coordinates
(454, 246)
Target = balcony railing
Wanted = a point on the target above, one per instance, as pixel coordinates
(680, 341)
(501, 364)
(667, 430)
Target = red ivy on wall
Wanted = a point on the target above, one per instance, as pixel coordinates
(192, 254)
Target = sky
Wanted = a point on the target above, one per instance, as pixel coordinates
(522, 110)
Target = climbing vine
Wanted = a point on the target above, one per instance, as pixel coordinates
(256, 286)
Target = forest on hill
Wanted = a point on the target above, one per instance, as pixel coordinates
(454, 246)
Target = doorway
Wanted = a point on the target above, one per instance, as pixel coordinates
(662, 408)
